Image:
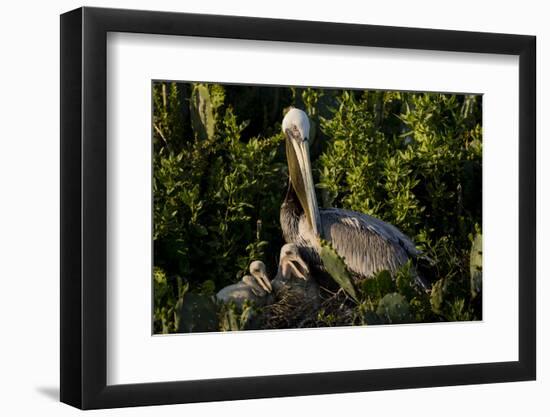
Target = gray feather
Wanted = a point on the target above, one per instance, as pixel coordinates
(368, 244)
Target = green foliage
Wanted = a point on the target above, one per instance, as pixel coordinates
(233, 318)
(413, 160)
(168, 299)
(377, 286)
(198, 314)
(437, 299)
(405, 280)
(378, 294)
(211, 191)
(415, 163)
(219, 178)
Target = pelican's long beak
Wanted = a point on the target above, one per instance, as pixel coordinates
(299, 169)
(263, 281)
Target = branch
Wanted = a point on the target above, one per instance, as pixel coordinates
(157, 129)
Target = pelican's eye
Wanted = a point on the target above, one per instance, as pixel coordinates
(288, 253)
(294, 133)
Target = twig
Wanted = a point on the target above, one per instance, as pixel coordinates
(157, 129)
(327, 290)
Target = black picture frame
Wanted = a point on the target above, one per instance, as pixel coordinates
(84, 207)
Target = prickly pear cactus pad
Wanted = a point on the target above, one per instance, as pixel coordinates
(203, 105)
(476, 264)
(336, 267)
(394, 309)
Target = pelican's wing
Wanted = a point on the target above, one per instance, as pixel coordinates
(368, 244)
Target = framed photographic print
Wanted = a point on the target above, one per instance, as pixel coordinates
(257, 208)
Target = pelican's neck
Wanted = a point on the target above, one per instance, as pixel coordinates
(291, 210)
(291, 199)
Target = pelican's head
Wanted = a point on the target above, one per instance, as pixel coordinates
(296, 119)
(296, 131)
(291, 263)
(258, 271)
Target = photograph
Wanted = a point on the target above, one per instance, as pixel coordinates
(288, 207)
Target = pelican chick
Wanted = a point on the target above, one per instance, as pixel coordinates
(253, 288)
(296, 296)
(294, 278)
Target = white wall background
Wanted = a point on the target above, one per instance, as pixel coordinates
(29, 225)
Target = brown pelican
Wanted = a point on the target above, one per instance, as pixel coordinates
(293, 277)
(253, 288)
(367, 244)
